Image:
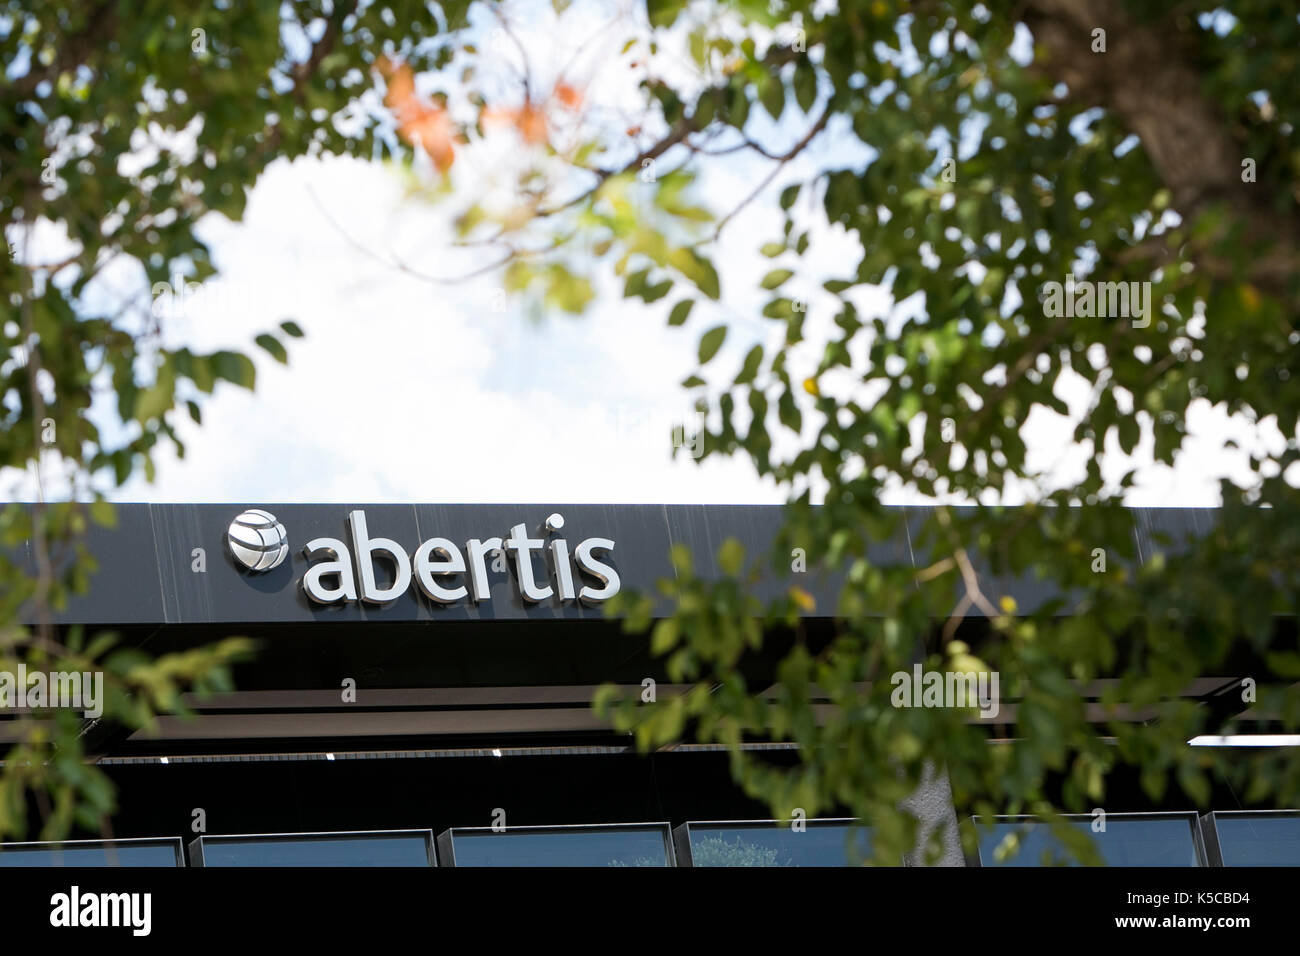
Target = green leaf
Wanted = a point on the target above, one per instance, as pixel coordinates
(696, 45)
(274, 347)
(697, 269)
(150, 403)
(751, 365)
(680, 312)
(711, 341)
(657, 291)
(568, 292)
(203, 373)
(234, 367)
(634, 283)
(805, 84)
(775, 278)
(664, 638)
(663, 13)
(738, 107)
(772, 96)
(103, 513)
(731, 557)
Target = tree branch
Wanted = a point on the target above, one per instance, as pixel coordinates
(780, 164)
(1145, 80)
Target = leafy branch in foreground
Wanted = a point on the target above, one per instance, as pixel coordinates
(983, 164)
(997, 168)
(123, 129)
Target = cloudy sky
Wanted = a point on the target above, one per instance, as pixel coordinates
(406, 389)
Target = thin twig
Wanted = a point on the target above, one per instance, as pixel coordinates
(781, 161)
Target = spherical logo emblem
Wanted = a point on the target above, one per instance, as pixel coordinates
(257, 540)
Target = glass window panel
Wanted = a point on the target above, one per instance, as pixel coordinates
(354, 849)
(777, 844)
(1259, 839)
(595, 846)
(1131, 841)
(161, 853)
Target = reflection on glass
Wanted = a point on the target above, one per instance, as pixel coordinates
(1259, 839)
(1134, 841)
(162, 853)
(777, 844)
(351, 850)
(597, 846)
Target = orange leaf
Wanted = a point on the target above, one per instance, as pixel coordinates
(532, 124)
(496, 116)
(401, 83)
(432, 129)
(418, 123)
(528, 119)
(567, 96)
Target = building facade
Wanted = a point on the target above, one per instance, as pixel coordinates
(421, 696)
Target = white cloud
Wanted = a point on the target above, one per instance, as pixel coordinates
(407, 390)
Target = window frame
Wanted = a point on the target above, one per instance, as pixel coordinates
(1214, 845)
(447, 838)
(196, 845)
(682, 832)
(176, 844)
(1191, 817)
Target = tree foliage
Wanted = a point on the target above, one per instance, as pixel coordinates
(1005, 149)
(714, 850)
(124, 124)
(997, 167)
